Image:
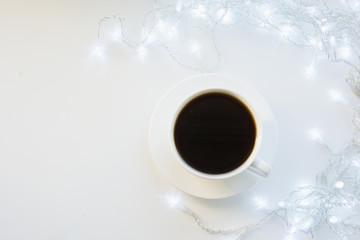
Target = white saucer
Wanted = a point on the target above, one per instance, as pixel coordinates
(171, 168)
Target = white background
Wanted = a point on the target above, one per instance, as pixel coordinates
(74, 162)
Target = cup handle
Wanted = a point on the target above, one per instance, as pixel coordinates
(260, 168)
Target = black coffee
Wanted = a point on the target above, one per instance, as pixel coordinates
(214, 133)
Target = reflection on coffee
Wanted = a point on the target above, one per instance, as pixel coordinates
(214, 133)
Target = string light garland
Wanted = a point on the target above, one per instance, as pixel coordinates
(335, 198)
(304, 23)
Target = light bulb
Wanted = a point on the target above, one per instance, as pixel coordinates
(313, 41)
(141, 52)
(306, 225)
(293, 229)
(356, 163)
(311, 10)
(221, 12)
(267, 12)
(333, 219)
(324, 28)
(304, 202)
(309, 71)
(339, 184)
(227, 17)
(116, 35)
(335, 95)
(320, 45)
(289, 237)
(199, 11)
(332, 41)
(201, 8)
(286, 30)
(178, 7)
(194, 48)
(98, 50)
(173, 199)
(260, 202)
(160, 25)
(345, 52)
(315, 134)
(150, 38)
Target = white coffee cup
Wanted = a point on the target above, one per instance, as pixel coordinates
(192, 181)
(252, 162)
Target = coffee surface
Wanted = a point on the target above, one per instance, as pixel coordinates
(214, 133)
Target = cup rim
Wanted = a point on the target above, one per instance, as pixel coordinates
(258, 138)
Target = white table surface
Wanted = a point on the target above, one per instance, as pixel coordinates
(74, 161)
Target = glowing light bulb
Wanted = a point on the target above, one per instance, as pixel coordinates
(220, 13)
(345, 52)
(267, 12)
(194, 48)
(160, 25)
(335, 95)
(305, 191)
(356, 5)
(311, 10)
(150, 38)
(306, 225)
(347, 203)
(172, 32)
(315, 134)
(227, 17)
(141, 52)
(339, 184)
(260, 202)
(178, 7)
(356, 163)
(309, 71)
(333, 219)
(313, 41)
(320, 45)
(324, 28)
(199, 11)
(116, 35)
(293, 229)
(173, 200)
(201, 8)
(289, 237)
(332, 41)
(304, 202)
(98, 50)
(286, 30)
